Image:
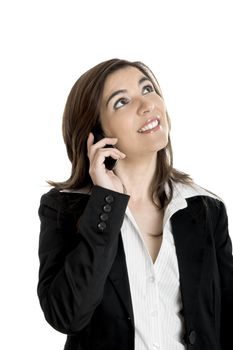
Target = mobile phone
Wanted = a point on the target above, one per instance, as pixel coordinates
(109, 162)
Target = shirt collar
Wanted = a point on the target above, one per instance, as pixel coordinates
(181, 192)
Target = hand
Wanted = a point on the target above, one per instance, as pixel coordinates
(99, 174)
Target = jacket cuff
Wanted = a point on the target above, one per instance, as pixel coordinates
(103, 215)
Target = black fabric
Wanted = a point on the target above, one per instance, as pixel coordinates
(83, 282)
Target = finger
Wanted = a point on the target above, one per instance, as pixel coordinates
(93, 147)
(111, 151)
(106, 141)
(90, 141)
(90, 138)
(99, 158)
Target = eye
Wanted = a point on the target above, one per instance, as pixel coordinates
(120, 103)
(147, 89)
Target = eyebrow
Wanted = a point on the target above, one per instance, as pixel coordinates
(144, 78)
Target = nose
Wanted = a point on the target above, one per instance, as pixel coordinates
(145, 106)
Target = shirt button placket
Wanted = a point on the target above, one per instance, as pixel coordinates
(154, 309)
(151, 279)
(154, 313)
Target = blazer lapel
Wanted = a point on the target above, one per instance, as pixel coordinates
(119, 278)
(189, 231)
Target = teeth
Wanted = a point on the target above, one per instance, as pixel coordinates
(149, 126)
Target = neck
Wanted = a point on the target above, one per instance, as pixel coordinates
(136, 176)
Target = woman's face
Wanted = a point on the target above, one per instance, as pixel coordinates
(128, 102)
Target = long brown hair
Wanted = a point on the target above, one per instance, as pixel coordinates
(81, 115)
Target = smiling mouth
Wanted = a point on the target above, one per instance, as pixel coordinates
(149, 126)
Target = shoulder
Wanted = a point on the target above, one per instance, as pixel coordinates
(194, 190)
(200, 199)
(195, 193)
(62, 200)
(197, 203)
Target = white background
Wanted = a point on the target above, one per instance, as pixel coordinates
(45, 47)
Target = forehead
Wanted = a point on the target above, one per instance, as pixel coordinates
(122, 78)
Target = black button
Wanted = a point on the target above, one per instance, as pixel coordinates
(109, 199)
(104, 217)
(107, 208)
(101, 226)
(192, 337)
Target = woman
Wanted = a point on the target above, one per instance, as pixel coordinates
(134, 255)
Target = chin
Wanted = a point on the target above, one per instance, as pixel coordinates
(160, 143)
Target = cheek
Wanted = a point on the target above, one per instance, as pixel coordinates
(106, 126)
(120, 126)
(167, 122)
(125, 133)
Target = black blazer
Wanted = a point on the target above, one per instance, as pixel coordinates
(83, 283)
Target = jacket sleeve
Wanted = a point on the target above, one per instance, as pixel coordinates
(74, 265)
(225, 264)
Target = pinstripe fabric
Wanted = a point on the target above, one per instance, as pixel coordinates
(155, 288)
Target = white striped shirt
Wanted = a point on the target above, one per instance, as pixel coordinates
(154, 290)
(155, 287)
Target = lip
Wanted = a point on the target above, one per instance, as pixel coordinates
(150, 120)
